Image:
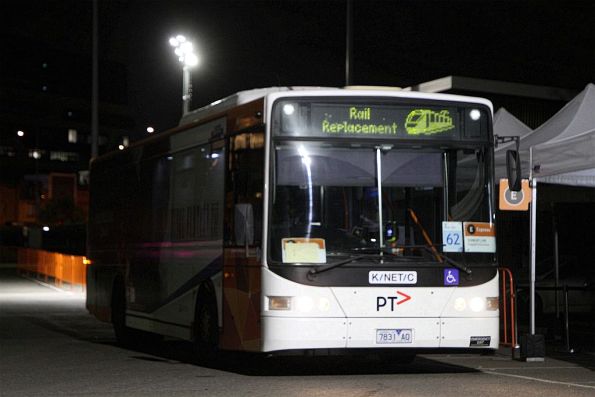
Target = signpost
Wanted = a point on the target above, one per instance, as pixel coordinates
(514, 201)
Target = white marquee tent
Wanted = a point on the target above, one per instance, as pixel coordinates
(569, 157)
(575, 118)
(505, 124)
(561, 151)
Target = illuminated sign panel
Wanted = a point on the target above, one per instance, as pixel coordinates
(379, 120)
(426, 121)
(353, 120)
(368, 120)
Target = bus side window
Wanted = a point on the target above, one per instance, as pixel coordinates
(245, 183)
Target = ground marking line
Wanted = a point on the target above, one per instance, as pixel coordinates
(527, 368)
(539, 379)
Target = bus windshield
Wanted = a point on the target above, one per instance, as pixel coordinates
(326, 194)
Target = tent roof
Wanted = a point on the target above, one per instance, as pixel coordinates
(576, 117)
(568, 157)
(505, 124)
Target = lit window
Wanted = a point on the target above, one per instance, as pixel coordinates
(72, 135)
(64, 156)
(36, 154)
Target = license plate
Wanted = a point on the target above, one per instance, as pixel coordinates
(389, 336)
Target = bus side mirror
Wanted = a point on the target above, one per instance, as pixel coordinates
(513, 170)
(244, 224)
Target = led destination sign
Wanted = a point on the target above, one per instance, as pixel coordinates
(371, 121)
(382, 120)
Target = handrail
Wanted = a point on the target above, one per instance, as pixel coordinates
(425, 235)
(508, 302)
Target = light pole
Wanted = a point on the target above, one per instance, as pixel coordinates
(184, 49)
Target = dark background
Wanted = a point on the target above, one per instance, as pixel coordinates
(251, 44)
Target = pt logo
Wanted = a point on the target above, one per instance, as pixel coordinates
(391, 301)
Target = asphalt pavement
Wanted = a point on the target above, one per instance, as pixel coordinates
(51, 346)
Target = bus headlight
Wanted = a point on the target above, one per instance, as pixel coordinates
(477, 304)
(304, 304)
(460, 304)
(324, 305)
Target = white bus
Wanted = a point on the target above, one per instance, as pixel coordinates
(295, 219)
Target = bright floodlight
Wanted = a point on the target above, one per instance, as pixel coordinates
(186, 47)
(150, 130)
(20, 133)
(184, 50)
(191, 60)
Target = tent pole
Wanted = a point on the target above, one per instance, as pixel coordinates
(556, 264)
(533, 252)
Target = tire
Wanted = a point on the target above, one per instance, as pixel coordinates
(125, 336)
(206, 327)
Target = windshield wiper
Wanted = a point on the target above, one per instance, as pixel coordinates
(428, 248)
(376, 255)
(431, 249)
(322, 269)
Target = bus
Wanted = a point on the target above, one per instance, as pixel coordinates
(303, 219)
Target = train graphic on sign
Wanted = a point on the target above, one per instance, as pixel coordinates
(426, 122)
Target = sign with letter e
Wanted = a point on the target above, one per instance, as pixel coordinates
(514, 201)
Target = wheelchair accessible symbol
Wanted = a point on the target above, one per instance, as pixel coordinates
(451, 276)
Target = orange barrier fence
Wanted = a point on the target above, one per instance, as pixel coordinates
(507, 308)
(65, 271)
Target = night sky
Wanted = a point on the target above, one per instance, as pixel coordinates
(252, 44)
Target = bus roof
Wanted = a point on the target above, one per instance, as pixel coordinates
(239, 98)
(243, 97)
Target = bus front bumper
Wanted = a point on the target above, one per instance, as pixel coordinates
(289, 333)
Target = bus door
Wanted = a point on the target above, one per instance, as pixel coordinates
(242, 252)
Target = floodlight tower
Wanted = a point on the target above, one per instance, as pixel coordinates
(184, 49)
